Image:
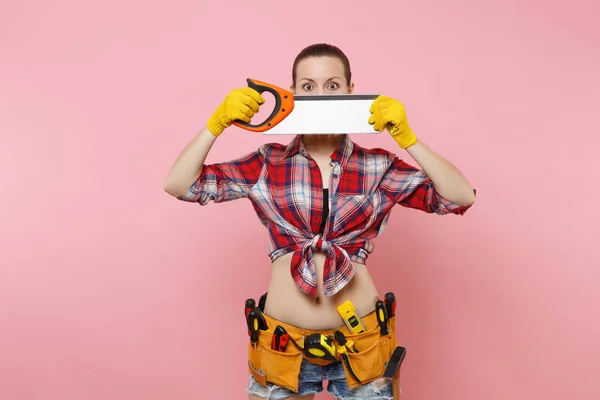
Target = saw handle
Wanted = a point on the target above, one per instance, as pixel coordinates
(284, 104)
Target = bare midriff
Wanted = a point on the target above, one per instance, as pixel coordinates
(287, 303)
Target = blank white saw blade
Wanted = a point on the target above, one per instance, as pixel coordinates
(327, 114)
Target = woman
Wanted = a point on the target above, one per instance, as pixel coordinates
(322, 198)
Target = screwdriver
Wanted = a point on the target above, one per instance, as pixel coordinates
(249, 306)
(253, 325)
(382, 317)
(390, 304)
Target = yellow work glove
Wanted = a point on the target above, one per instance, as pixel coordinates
(389, 113)
(240, 104)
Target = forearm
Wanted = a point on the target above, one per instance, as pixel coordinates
(188, 165)
(449, 182)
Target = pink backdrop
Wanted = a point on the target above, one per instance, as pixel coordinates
(110, 289)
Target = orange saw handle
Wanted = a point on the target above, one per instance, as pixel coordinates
(284, 104)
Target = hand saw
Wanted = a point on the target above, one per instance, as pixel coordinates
(312, 114)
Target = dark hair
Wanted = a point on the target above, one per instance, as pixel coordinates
(322, 50)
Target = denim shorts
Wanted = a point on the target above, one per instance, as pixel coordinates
(311, 382)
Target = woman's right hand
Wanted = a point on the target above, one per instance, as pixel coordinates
(240, 104)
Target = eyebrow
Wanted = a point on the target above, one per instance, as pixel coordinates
(310, 80)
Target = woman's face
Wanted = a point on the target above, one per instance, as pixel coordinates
(321, 75)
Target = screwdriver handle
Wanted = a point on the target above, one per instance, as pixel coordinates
(249, 306)
(390, 304)
(382, 317)
(253, 325)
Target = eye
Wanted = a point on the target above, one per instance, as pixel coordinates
(332, 86)
(307, 86)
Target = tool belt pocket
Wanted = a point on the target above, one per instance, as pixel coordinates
(270, 366)
(370, 361)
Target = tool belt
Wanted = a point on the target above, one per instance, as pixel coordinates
(366, 356)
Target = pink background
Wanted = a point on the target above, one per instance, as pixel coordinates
(110, 289)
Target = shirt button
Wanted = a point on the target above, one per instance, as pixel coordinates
(335, 176)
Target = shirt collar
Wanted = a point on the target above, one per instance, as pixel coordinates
(339, 155)
(293, 147)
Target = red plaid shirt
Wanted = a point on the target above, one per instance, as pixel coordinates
(285, 186)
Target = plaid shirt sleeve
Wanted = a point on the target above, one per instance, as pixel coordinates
(226, 181)
(411, 187)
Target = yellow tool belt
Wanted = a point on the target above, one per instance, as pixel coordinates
(363, 363)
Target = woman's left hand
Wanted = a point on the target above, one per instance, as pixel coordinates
(389, 113)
